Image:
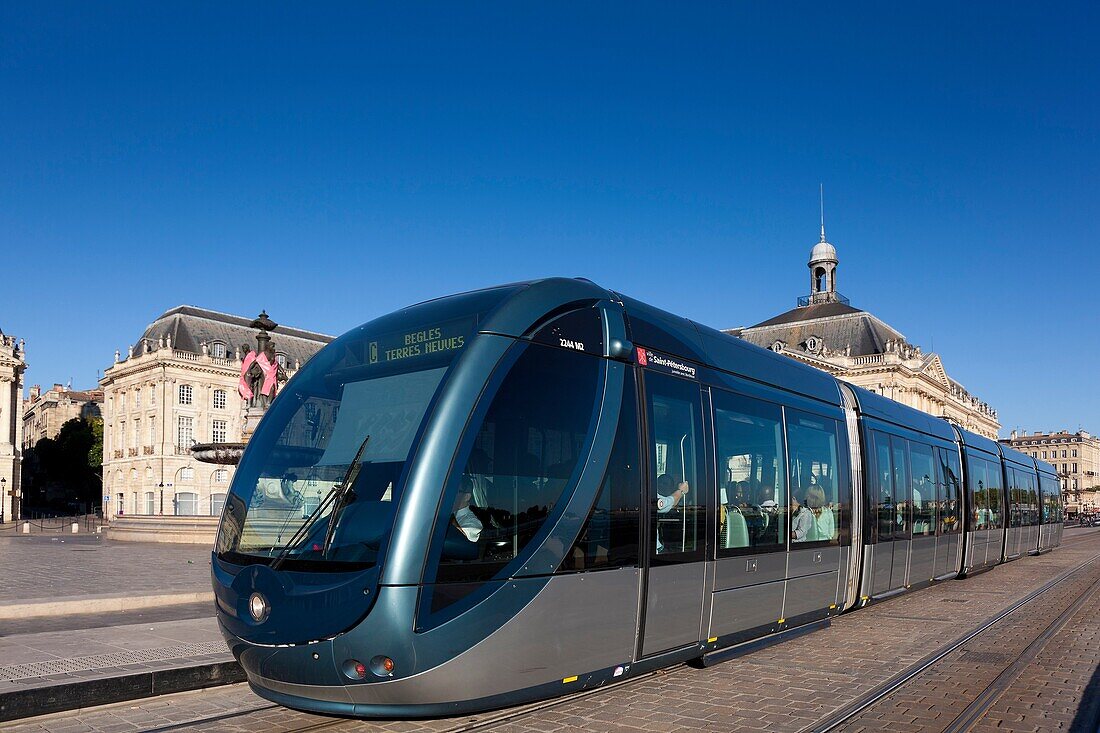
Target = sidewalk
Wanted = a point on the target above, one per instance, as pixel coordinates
(86, 621)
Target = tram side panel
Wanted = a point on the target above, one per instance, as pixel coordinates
(772, 572)
(913, 509)
(1050, 529)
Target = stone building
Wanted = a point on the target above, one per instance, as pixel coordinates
(826, 332)
(12, 366)
(1077, 458)
(45, 412)
(176, 386)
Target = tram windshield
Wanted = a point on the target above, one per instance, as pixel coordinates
(322, 475)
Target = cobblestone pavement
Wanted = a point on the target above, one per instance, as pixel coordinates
(48, 566)
(786, 687)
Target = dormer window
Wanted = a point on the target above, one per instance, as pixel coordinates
(281, 358)
(217, 349)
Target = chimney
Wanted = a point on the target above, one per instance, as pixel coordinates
(1012, 435)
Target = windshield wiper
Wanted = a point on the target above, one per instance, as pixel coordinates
(344, 496)
(336, 493)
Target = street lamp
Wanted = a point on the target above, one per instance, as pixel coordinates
(3, 493)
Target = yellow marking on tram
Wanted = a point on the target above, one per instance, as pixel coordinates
(832, 607)
(712, 639)
(567, 680)
(782, 620)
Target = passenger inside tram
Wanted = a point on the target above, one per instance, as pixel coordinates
(802, 520)
(669, 495)
(824, 521)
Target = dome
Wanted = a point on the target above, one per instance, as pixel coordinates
(823, 252)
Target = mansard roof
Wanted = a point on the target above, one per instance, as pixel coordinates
(839, 326)
(809, 313)
(190, 327)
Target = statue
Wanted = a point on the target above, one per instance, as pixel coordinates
(260, 369)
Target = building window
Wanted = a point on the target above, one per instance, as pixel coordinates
(186, 394)
(187, 474)
(219, 431)
(122, 401)
(221, 476)
(1074, 452)
(152, 433)
(1075, 468)
(217, 503)
(137, 398)
(185, 431)
(187, 503)
(1075, 484)
(281, 358)
(137, 433)
(217, 350)
(219, 399)
(150, 503)
(1064, 468)
(1063, 454)
(1044, 455)
(152, 395)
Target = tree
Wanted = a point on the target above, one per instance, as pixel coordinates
(95, 453)
(61, 475)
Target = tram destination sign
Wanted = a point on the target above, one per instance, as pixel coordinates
(434, 340)
(667, 364)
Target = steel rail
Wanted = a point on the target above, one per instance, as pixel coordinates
(981, 704)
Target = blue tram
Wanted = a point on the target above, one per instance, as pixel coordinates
(524, 491)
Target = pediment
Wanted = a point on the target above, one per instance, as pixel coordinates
(934, 369)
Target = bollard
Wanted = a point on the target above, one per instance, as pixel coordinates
(76, 527)
(26, 527)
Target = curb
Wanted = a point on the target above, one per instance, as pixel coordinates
(77, 605)
(103, 691)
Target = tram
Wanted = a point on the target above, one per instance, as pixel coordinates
(524, 491)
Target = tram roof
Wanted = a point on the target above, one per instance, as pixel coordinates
(973, 440)
(525, 304)
(1011, 454)
(892, 411)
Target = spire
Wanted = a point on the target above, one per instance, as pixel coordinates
(821, 198)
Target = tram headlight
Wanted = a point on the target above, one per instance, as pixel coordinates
(258, 608)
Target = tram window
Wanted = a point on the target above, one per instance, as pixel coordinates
(949, 503)
(902, 496)
(814, 472)
(675, 426)
(994, 494)
(924, 489)
(609, 537)
(1013, 491)
(1032, 500)
(751, 473)
(883, 487)
(978, 484)
(522, 460)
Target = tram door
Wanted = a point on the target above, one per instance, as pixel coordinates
(903, 523)
(677, 491)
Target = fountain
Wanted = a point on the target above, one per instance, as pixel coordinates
(261, 374)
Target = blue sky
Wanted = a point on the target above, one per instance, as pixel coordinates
(367, 156)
